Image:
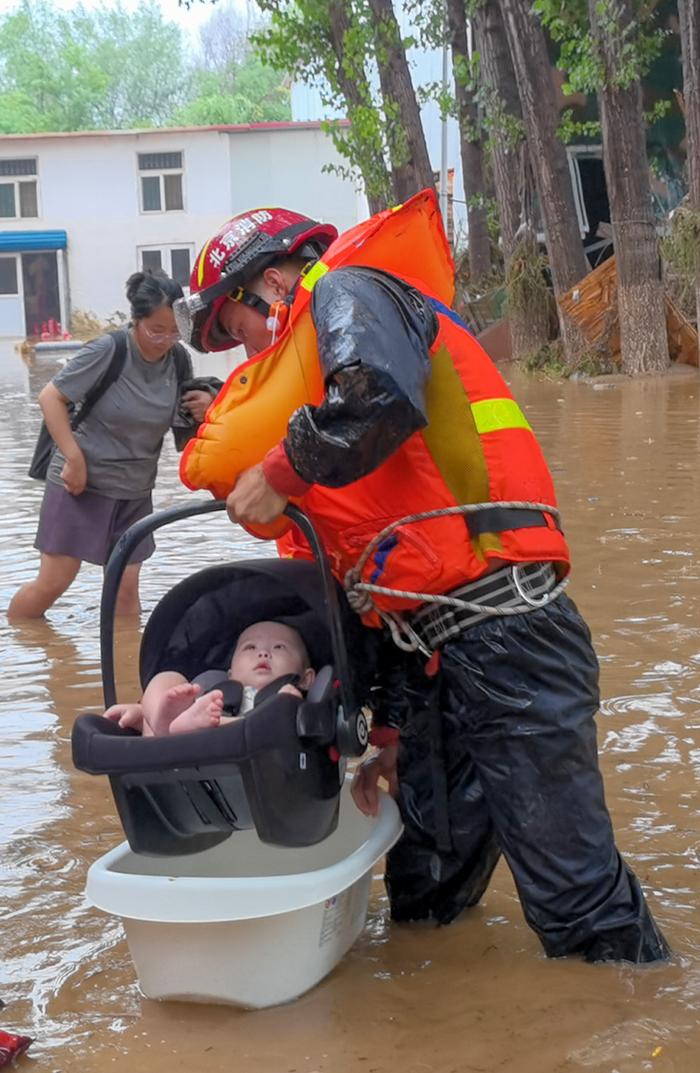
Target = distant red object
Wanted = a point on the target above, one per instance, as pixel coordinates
(51, 329)
(12, 1047)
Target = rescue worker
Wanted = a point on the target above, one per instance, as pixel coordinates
(367, 401)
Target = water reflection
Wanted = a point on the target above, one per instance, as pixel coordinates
(477, 995)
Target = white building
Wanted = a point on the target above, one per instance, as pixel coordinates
(79, 212)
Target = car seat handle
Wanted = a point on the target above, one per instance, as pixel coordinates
(117, 564)
(351, 722)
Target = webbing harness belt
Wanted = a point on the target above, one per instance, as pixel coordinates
(513, 590)
(517, 587)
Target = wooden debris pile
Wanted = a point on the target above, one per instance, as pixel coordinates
(592, 304)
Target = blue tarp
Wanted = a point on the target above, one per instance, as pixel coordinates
(16, 241)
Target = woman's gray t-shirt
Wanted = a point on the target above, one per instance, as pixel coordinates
(122, 435)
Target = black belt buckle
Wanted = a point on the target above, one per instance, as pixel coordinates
(497, 519)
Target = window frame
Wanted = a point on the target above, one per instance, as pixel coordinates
(574, 153)
(164, 248)
(160, 173)
(19, 293)
(16, 181)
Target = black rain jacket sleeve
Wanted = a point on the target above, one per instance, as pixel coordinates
(374, 332)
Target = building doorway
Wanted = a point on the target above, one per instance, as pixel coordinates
(42, 305)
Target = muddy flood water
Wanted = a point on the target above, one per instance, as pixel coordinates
(478, 995)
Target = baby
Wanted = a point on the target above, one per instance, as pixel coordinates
(171, 705)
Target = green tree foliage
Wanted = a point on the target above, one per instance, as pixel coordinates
(248, 92)
(304, 37)
(106, 68)
(110, 68)
(230, 82)
(640, 50)
(569, 25)
(429, 31)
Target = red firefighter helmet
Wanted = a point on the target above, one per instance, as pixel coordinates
(239, 251)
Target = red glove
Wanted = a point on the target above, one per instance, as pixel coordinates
(11, 1047)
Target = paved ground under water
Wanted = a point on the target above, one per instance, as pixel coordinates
(477, 996)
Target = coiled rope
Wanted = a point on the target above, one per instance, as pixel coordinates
(360, 593)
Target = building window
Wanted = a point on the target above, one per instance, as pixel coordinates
(18, 189)
(160, 177)
(8, 276)
(175, 261)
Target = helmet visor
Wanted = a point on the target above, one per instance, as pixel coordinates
(185, 311)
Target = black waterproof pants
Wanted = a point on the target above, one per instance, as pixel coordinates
(499, 755)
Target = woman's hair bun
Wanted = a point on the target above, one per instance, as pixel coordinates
(133, 283)
(149, 290)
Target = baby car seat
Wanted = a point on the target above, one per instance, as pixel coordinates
(280, 767)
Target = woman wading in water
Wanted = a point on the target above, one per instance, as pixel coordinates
(101, 475)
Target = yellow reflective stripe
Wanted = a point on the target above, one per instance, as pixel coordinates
(201, 263)
(451, 435)
(309, 281)
(395, 208)
(490, 415)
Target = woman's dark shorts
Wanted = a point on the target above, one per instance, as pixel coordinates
(87, 526)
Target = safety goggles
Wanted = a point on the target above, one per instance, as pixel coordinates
(160, 337)
(185, 311)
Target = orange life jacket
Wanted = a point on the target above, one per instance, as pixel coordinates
(477, 447)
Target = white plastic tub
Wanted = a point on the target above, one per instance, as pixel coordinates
(245, 923)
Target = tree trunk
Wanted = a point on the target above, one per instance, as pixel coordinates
(643, 339)
(470, 144)
(529, 328)
(355, 88)
(410, 164)
(533, 76)
(689, 17)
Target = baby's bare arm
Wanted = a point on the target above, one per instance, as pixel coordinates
(126, 715)
(292, 690)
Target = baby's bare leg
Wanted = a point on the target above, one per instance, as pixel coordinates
(167, 696)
